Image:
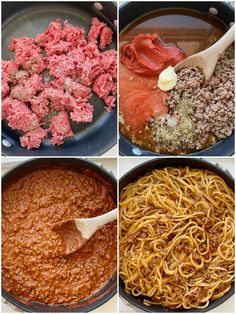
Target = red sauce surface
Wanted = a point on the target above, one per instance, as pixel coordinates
(147, 55)
(140, 99)
(142, 60)
(33, 263)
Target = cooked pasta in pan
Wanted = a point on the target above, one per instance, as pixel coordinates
(177, 237)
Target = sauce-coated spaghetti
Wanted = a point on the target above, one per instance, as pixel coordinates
(177, 237)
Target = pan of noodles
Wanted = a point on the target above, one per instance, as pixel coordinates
(176, 235)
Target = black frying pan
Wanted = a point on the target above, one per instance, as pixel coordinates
(31, 18)
(158, 163)
(133, 10)
(109, 290)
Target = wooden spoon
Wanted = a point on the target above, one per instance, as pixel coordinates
(206, 59)
(76, 232)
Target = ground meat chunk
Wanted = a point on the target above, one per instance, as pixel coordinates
(105, 37)
(60, 128)
(90, 70)
(20, 117)
(102, 85)
(57, 48)
(5, 88)
(53, 39)
(53, 34)
(18, 44)
(9, 69)
(79, 91)
(6, 106)
(78, 57)
(109, 62)
(105, 63)
(82, 113)
(110, 102)
(22, 76)
(91, 51)
(59, 100)
(40, 105)
(74, 35)
(34, 138)
(29, 89)
(27, 54)
(95, 30)
(61, 67)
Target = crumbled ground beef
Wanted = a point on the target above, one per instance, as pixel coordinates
(9, 70)
(95, 30)
(27, 54)
(105, 37)
(79, 91)
(29, 89)
(82, 113)
(102, 85)
(211, 105)
(52, 78)
(40, 105)
(6, 106)
(20, 117)
(60, 128)
(33, 139)
(110, 102)
(5, 88)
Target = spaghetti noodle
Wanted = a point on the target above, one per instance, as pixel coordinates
(177, 237)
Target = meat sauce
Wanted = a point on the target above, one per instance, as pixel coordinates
(33, 261)
(140, 99)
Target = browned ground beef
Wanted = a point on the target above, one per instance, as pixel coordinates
(212, 107)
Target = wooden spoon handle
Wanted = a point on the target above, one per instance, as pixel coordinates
(224, 42)
(88, 226)
(106, 218)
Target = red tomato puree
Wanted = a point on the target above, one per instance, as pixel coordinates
(142, 60)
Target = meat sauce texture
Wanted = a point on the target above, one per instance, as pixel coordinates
(148, 45)
(34, 266)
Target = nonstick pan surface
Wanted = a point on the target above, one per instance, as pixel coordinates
(30, 19)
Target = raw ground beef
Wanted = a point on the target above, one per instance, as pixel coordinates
(29, 89)
(33, 139)
(52, 77)
(60, 128)
(210, 104)
(20, 117)
(40, 105)
(82, 113)
(105, 37)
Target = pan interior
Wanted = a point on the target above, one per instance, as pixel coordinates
(32, 21)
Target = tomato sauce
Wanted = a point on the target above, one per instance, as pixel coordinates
(147, 55)
(140, 99)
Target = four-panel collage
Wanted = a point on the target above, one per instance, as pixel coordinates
(118, 156)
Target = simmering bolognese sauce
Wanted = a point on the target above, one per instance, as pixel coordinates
(34, 266)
